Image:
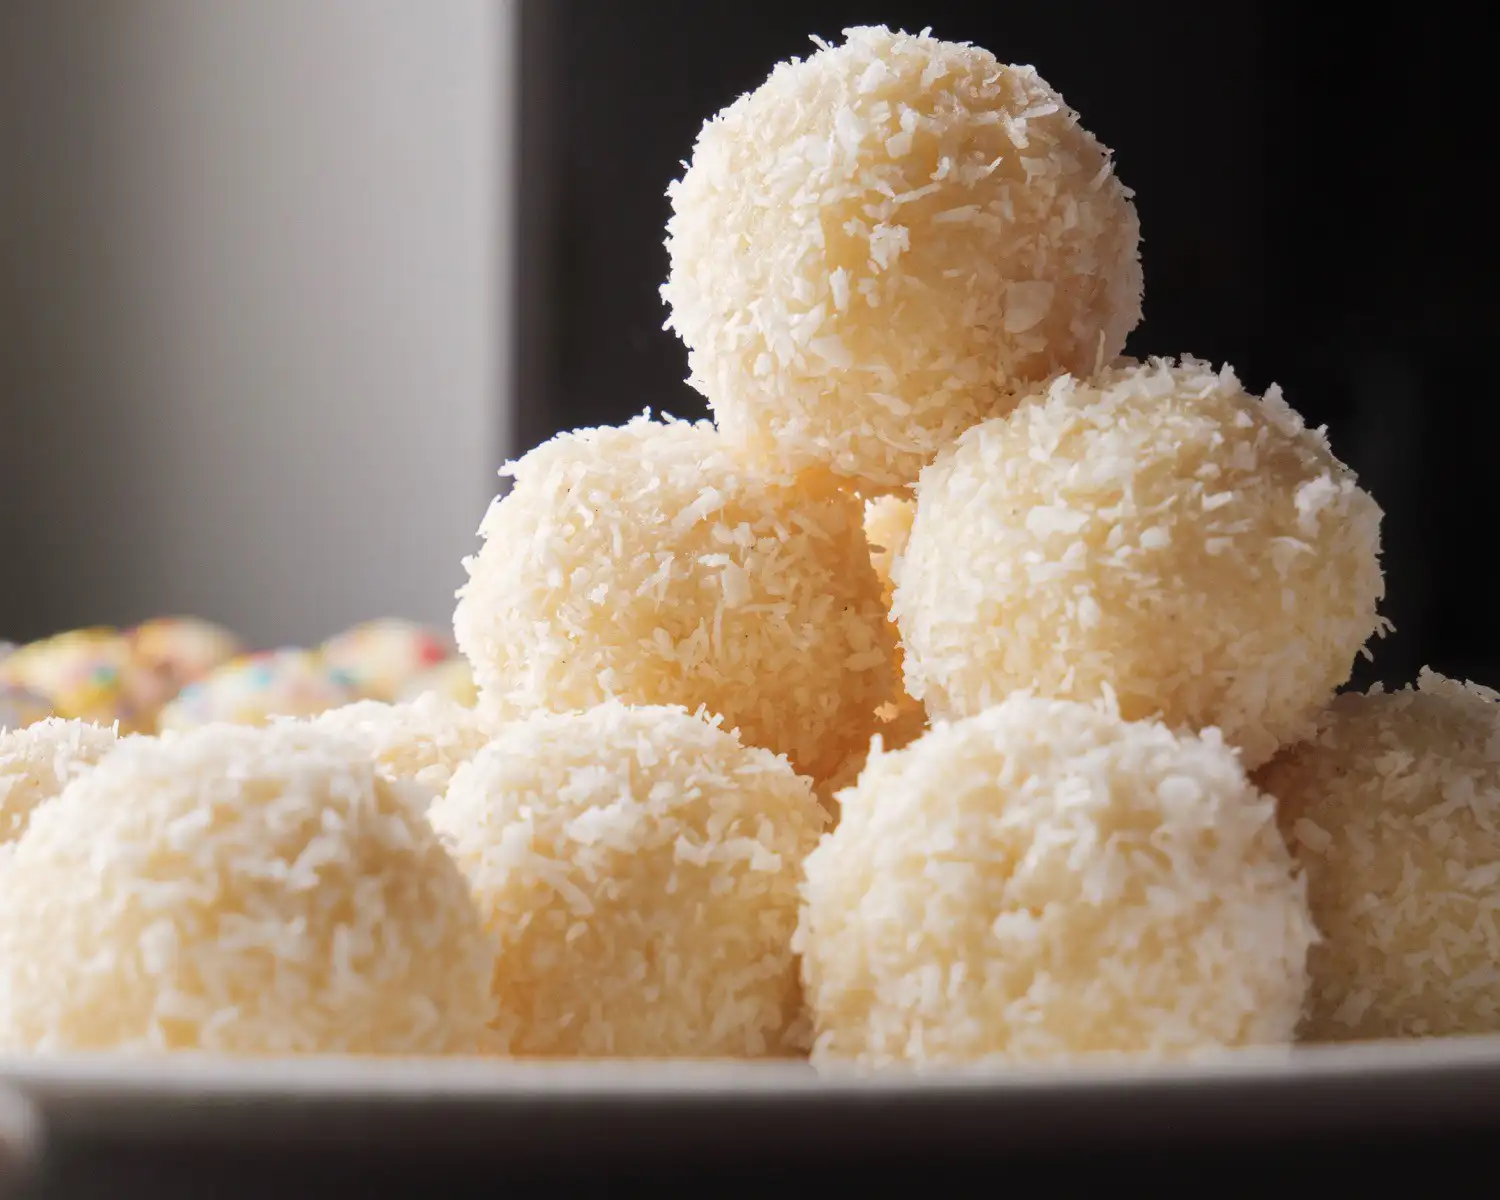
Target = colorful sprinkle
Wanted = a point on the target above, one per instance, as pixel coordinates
(382, 657)
(253, 688)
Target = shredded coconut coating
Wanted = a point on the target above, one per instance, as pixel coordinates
(1394, 810)
(876, 247)
(1044, 881)
(1157, 531)
(37, 762)
(243, 891)
(639, 867)
(422, 741)
(646, 563)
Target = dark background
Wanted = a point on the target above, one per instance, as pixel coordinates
(1313, 195)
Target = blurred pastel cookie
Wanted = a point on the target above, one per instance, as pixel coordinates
(176, 651)
(452, 679)
(382, 657)
(85, 675)
(20, 707)
(253, 688)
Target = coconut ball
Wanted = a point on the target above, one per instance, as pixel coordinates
(422, 741)
(639, 867)
(252, 689)
(1393, 808)
(453, 679)
(382, 657)
(37, 762)
(1159, 532)
(244, 891)
(1045, 880)
(876, 247)
(648, 564)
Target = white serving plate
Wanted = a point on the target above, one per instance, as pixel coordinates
(530, 1117)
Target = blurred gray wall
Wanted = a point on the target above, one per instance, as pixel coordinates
(253, 312)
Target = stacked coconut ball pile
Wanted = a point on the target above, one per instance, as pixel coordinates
(905, 713)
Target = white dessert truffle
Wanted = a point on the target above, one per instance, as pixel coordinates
(1157, 531)
(37, 762)
(1045, 880)
(421, 741)
(645, 563)
(874, 248)
(1394, 810)
(238, 890)
(639, 868)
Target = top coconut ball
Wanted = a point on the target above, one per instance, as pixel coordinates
(1156, 533)
(876, 247)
